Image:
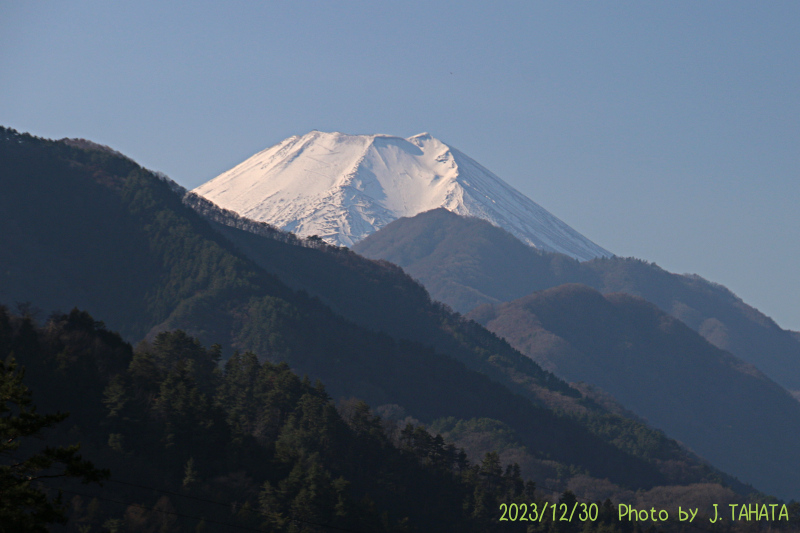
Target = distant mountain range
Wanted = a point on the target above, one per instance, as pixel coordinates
(465, 262)
(344, 187)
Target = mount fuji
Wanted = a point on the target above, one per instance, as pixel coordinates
(344, 187)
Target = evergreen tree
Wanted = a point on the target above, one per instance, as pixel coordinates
(24, 505)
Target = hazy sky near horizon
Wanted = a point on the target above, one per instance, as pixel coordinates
(668, 131)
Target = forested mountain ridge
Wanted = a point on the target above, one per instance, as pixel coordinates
(87, 226)
(466, 262)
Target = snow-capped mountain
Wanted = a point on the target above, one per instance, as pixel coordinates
(344, 187)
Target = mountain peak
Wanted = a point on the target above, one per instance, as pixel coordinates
(424, 136)
(344, 187)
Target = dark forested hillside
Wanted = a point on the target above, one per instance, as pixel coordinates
(192, 447)
(468, 262)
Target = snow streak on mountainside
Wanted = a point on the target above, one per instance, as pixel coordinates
(345, 187)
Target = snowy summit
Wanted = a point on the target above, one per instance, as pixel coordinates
(345, 187)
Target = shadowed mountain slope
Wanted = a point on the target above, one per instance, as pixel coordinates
(721, 407)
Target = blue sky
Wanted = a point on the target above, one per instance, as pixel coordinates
(668, 131)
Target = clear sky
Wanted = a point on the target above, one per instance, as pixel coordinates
(668, 131)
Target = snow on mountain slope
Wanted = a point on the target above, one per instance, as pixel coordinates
(345, 187)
